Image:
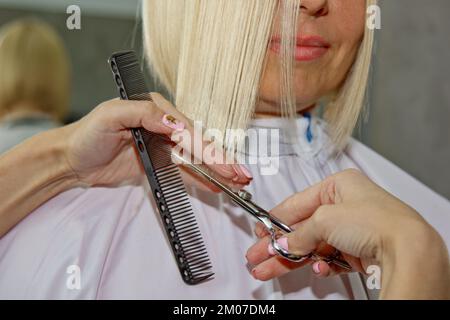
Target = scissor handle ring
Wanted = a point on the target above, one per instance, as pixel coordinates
(335, 258)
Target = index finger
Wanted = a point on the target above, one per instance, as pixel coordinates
(227, 171)
(299, 206)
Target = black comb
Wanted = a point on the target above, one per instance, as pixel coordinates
(164, 177)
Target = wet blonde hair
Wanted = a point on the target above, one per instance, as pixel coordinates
(210, 56)
(34, 69)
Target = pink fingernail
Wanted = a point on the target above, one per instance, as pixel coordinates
(316, 267)
(236, 171)
(246, 172)
(172, 122)
(260, 232)
(283, 242)
(270, 249)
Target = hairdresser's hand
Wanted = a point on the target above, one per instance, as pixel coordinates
(100, 150)
(369, 226)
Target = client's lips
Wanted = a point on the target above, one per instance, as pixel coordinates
(307, 48)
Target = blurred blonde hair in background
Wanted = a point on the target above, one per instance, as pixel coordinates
(34, 69)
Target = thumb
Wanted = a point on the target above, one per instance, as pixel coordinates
(310, 235)
(303, 240)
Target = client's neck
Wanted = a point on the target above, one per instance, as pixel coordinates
(266, 109)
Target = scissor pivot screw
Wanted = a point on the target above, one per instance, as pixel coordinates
(245, 195)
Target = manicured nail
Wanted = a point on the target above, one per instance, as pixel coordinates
(246, 172)
(270, 249)
(173, 123)
(236, 170)
(316, 267)
(282, 242)
(261, 232)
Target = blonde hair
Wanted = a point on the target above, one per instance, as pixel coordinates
(210, 56)
(34, 69)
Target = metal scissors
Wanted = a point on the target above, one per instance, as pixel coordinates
(274, 226)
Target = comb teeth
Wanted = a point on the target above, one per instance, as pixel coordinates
(165, 180)
(130, 73)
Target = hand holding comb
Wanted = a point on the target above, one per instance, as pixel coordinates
(164, 177)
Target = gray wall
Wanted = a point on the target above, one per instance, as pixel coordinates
(409, 116)
(409, 99)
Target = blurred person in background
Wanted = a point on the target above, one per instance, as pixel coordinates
(34, 80)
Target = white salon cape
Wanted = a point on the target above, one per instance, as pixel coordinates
(104, 243)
